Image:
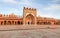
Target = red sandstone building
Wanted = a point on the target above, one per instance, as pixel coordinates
(29, 17)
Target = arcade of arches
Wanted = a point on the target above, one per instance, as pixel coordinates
(29, 18)
(5, 22)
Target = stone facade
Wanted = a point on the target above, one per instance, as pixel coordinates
(29, 17)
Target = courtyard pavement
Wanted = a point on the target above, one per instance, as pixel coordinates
(30, 31)
(14, 27)
(35, 33)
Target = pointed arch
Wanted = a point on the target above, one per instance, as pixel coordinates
(30, 19)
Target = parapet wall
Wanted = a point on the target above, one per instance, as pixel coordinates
(30, 8)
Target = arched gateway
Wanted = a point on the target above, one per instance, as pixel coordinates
(30, 19)
(29, 15)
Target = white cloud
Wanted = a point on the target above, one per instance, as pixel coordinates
(9, 11)
(9, 1)
(52, 7)
(55, 0)
(52, 10)
(44, 14)
(18, 1)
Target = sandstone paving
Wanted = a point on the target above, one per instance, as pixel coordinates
(36, 33)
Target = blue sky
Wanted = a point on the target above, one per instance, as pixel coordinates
(45, 8)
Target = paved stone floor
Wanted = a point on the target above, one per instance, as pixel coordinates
(35, 33)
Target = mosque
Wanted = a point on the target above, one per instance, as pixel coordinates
(29, 18)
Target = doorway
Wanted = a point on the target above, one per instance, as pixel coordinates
(30, 19)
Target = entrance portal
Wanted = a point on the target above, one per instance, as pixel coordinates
(30, 19)
(28, 23)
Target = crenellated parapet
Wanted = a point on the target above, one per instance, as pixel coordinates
(26, 8)
(7, 15)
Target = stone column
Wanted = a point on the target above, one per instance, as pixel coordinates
(14, 22)
(11, 22)
(6, 22)
(23, 21)
(3, 22)
(0, 22)
(35, 21)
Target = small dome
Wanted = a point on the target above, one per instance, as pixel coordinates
(0, 15)
(12, 15)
